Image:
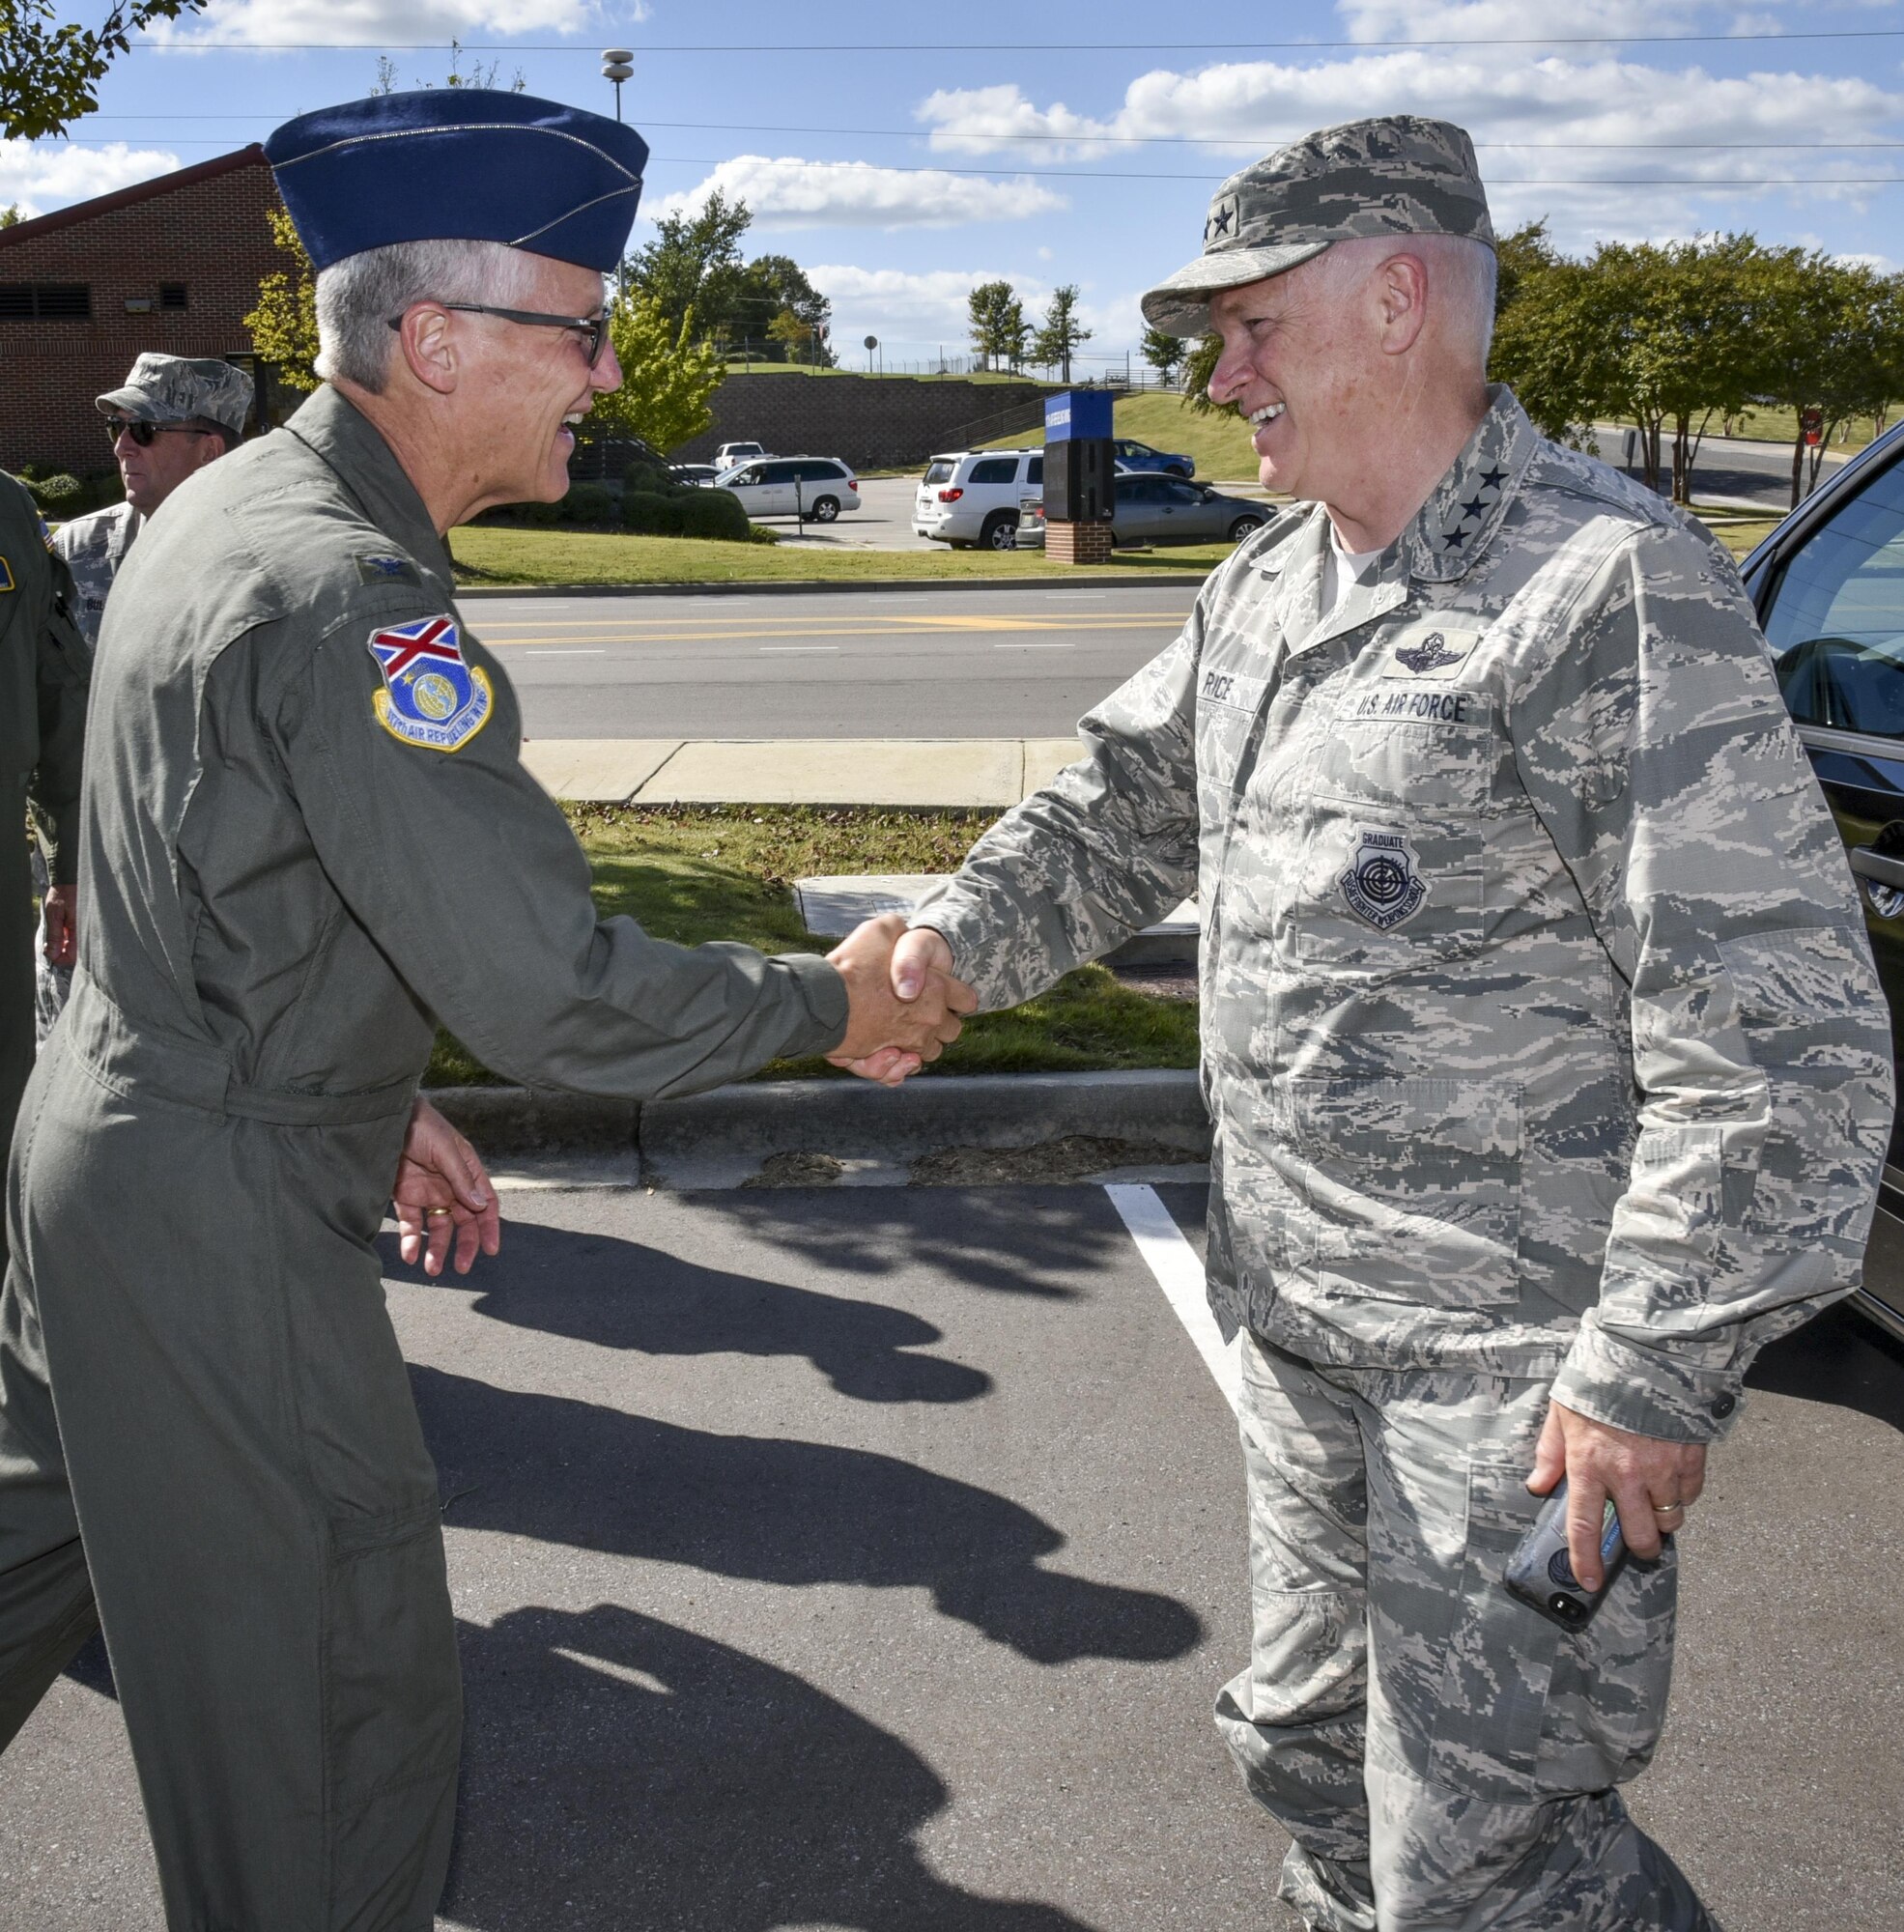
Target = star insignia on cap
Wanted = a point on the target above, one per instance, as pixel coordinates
(1220, 222)
(1495, 479)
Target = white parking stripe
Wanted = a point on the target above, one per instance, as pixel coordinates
(1179, 1274)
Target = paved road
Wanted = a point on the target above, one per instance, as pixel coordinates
(831, 1561)
(1731, 468)
(908, 664)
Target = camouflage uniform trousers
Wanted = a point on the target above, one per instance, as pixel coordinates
(52, 985)
(1443, 1759)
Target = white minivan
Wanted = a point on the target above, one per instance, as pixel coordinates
(816, 487)
(971, 496)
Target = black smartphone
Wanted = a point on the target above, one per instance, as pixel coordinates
(1541, 1573)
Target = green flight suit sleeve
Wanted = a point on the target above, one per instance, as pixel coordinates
(63, 677)
(1102, 851)
(1652, 739)
(470, 880)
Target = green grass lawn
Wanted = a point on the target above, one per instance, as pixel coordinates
(1219, 444)
(487, 554)
(695, 874)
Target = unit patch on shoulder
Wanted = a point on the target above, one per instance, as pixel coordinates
(430, 697)
(1384, 883)
(6, 576)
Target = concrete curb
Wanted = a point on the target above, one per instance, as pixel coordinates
(852, 1119)
(806, 587)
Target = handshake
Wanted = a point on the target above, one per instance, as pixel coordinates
(903, 1005)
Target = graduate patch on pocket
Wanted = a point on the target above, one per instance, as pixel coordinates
(430, 697)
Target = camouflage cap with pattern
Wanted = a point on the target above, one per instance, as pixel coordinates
(1400, 175)
(175, 388)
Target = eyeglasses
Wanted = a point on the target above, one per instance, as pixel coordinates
(142, 432)
(592, 328)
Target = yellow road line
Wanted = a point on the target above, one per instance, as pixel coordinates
(551, 632)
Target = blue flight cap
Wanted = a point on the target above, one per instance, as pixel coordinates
(460, 163)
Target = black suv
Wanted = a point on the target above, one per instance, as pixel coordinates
(1828, 586)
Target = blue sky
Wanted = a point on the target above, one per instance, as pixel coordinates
(902, 154)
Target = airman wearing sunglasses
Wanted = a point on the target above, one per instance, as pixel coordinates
(173, 416)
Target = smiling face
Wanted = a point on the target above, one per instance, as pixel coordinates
(1302, 364)
(525, 384)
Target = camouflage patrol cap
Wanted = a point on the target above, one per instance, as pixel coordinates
(172, 388)
(1400, 175)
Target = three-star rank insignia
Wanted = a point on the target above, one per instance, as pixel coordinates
(1384, 883)
(430, 697)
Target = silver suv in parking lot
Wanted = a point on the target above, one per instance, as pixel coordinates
(971, 496)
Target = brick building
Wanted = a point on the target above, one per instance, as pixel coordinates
(170, 264)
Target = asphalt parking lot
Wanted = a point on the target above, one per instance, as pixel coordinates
(833, 1561)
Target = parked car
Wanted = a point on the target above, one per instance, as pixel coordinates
(815, 488)
(696, 475)
(1828, 587)
(1164, 509)
(971, 495)
(1140, 456)
(731, 453)
(1031, 531)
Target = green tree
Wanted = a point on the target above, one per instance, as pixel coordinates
(50, 69)
(998, 323)
(1200, 360)
(768, 287)
(1164, 354)
(693, 263)
(283, 325)
(667, 378)
(10, 216)
(1061, 335)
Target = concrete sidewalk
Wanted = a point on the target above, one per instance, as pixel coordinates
(919, 771)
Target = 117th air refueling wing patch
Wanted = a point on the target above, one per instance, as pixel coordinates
(430, 696)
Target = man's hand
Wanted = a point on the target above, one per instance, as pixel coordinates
(441, 1189)
(903, 1012)
(60, 909)
(1652, 1482)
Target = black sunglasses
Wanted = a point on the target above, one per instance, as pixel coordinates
(592, 328)
(142, 432)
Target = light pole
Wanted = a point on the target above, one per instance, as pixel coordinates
(617, 66)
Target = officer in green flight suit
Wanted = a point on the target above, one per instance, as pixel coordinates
(314, 838)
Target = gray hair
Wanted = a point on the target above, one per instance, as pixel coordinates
(356, 298)
(1461, 277)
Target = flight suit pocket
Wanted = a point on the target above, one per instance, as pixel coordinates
(1227, 704)
(1412, 746)
(1484, 1732)
(392, 1691)
(1413, 1189)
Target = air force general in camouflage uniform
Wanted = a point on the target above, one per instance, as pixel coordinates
(1544, 1057)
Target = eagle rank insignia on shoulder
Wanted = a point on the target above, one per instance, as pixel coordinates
(430, 697)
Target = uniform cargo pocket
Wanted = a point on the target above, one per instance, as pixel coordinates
(1484, 1734)
(392, 1693)
(1412, 1188)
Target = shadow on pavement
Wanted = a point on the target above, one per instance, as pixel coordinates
(775, 1511)
(620, 1294)
(1840, 1359)
(1008, 1240)
(623, 1773)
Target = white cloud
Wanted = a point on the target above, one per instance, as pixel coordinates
(1523, 19)
(1545, 124)
(357, 22)
(43, 176)
(790, 193)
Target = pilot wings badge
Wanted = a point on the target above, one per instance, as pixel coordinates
(430, 697)
(1431, 654)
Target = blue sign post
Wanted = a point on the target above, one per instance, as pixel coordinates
(1080, 477)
